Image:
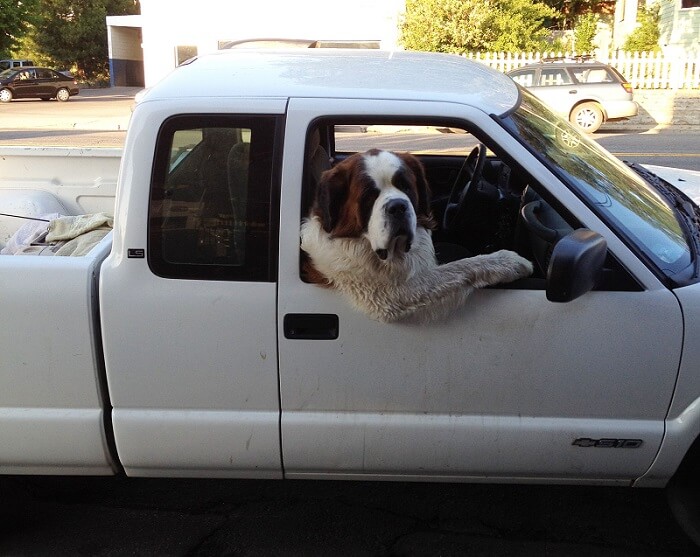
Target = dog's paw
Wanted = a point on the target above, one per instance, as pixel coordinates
(515, 264)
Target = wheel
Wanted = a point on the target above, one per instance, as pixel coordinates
(62, 95)
(456, 203)
(587, 117)
(683, 496)
(5, 95)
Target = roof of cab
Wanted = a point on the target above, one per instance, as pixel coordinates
(341, 73)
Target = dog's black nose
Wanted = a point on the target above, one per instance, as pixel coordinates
(396, 207)
(382, 254)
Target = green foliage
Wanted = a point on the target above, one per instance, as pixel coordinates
(15, 19)
(585, 29)
(443, 25)
(645, 37)
(518, 25)
(462, 25)
(570, 10)
(73, 33)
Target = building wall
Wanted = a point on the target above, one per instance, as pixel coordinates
(203, 25)
(680, 28)
(126, 57)
(625, 20)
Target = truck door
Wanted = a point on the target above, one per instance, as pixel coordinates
(189, 299)
(510, 386)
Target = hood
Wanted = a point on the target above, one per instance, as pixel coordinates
(688, 181)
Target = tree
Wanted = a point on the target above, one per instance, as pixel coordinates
(645, 37)
(444, 25)
(461, 25)
(518, 25)
(15, 19)
(73, 33)
(585, 29)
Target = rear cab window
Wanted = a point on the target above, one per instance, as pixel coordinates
(211, 202)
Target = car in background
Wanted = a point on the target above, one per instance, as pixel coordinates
(14, 63)
(583, 90)
(31, 82)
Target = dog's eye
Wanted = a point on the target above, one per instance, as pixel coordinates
(405, 184)
(369, 196)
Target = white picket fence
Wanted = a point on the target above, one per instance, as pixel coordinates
(645, 70)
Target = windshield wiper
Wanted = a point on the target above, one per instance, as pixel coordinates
(687, 212)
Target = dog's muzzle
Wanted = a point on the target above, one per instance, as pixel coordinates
(399, 219)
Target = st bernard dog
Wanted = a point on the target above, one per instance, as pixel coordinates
(368, 235)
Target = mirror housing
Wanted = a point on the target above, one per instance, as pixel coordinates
(575, 265)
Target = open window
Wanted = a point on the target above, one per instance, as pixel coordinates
(482, 199)
(475, 194)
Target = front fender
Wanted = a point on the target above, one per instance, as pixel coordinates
(682, 426)
(681, 432)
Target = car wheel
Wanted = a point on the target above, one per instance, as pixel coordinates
(587, 117)
(5, 95)
(683, 496)
(62, 95)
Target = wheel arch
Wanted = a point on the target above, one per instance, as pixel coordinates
(679, 451)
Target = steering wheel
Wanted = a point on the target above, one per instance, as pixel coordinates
(461, 190)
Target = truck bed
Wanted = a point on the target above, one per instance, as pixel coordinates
(51, 397)
(40, 181)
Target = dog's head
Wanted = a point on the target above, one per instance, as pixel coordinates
(379, 195)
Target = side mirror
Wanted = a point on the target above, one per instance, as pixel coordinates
(575, 265)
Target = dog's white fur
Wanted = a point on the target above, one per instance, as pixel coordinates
(406, 283)
(382, 168)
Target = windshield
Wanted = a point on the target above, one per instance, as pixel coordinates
(615, 192)
(6, 73)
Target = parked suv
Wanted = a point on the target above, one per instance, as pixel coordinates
(587, 92)
(11, 63)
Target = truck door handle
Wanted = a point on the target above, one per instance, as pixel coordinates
(311, 326)
(573, 91)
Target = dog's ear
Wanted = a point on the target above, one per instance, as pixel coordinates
(424, 212)
(331, 196)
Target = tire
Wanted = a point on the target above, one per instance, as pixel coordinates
(5, 95)
(587, 117)
(62, 94)
(683, 496)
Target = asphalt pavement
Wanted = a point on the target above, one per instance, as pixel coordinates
(201, 518)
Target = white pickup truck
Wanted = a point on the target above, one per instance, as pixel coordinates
(185, 341)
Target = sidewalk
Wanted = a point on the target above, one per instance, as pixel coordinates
(662, 109)
(110, 92)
